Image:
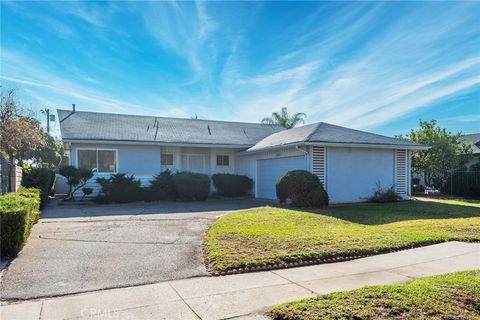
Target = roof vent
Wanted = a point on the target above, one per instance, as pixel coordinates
(209, 131)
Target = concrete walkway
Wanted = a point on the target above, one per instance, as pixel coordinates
(248, 296)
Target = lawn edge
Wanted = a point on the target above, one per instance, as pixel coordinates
(212, 271)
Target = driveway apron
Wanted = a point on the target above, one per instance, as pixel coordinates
(91, 247)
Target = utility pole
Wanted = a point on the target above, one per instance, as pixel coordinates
(46, 112)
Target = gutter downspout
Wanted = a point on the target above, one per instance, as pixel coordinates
(307, 167)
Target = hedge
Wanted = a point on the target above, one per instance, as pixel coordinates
(119, 188)
(232, 185)
(19, 211)
(40, 178)
(161, 187)
(192, 186)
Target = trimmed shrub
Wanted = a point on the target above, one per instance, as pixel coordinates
(86, 192)
(19, 211)
(384, 195)
(162, 187)
(192, 186)
(232, 185)
(40, 178)
(303, 188)
(77, 178)
(119, 188)
(318, 197)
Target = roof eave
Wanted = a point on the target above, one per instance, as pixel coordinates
(156, 143)
(338, 144)
(370, 145)
(280, 146)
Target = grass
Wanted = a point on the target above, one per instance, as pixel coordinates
(270, 235)
(450, 296)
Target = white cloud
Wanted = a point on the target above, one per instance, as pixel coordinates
(346, 69)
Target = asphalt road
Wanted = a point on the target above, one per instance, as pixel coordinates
(84, 248)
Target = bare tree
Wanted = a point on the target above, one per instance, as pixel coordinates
(20, 132)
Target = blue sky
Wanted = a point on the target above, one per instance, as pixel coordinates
(372, 66)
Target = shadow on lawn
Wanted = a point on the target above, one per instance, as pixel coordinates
(381, 213)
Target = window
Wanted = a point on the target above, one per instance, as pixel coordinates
(166, 159)
(106, 161)
(223, 161)
(87, 159)
(101, 160)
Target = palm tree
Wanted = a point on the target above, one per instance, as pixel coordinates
(284, 119)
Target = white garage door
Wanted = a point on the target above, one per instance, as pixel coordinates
(269, 170)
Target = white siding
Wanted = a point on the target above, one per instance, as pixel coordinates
(232, 153)
(140, 160)
(144, 160)
(352, 173)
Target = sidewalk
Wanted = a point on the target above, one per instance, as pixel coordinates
(248, 296)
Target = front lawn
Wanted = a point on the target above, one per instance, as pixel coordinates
(270, 235)
(450, 296)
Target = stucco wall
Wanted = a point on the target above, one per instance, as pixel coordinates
(352, 173)
(144, 160)
(141, 160)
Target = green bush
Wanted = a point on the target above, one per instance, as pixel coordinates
(384, 195)
(317, 197)
(40, 178)
(192, 186)
(19, 211)
(303, 188)
(232, 185)
(162, 187)
(77, 178)
(119, 188)
(86, 192)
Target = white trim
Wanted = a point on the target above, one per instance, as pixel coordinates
(332, 144)
(222, 165)
(319, 163)
(167, 154)
(401, 171)
(99, 149)
(165, 144)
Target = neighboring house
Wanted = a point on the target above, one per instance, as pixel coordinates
(349, 162)
(474, 141)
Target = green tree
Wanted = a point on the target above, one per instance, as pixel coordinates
(447, 153)
(20, 132)
(284, 119)
(48, 155)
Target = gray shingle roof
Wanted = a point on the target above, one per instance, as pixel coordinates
(330, 134)
(474, 140)
(119, 127)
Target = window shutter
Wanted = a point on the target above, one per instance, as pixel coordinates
(401, 171)
(319, 163)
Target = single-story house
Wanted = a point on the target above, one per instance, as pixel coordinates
(349, 162)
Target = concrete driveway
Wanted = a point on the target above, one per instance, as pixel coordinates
(79, 248)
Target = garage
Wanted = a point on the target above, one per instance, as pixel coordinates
(269, 170)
